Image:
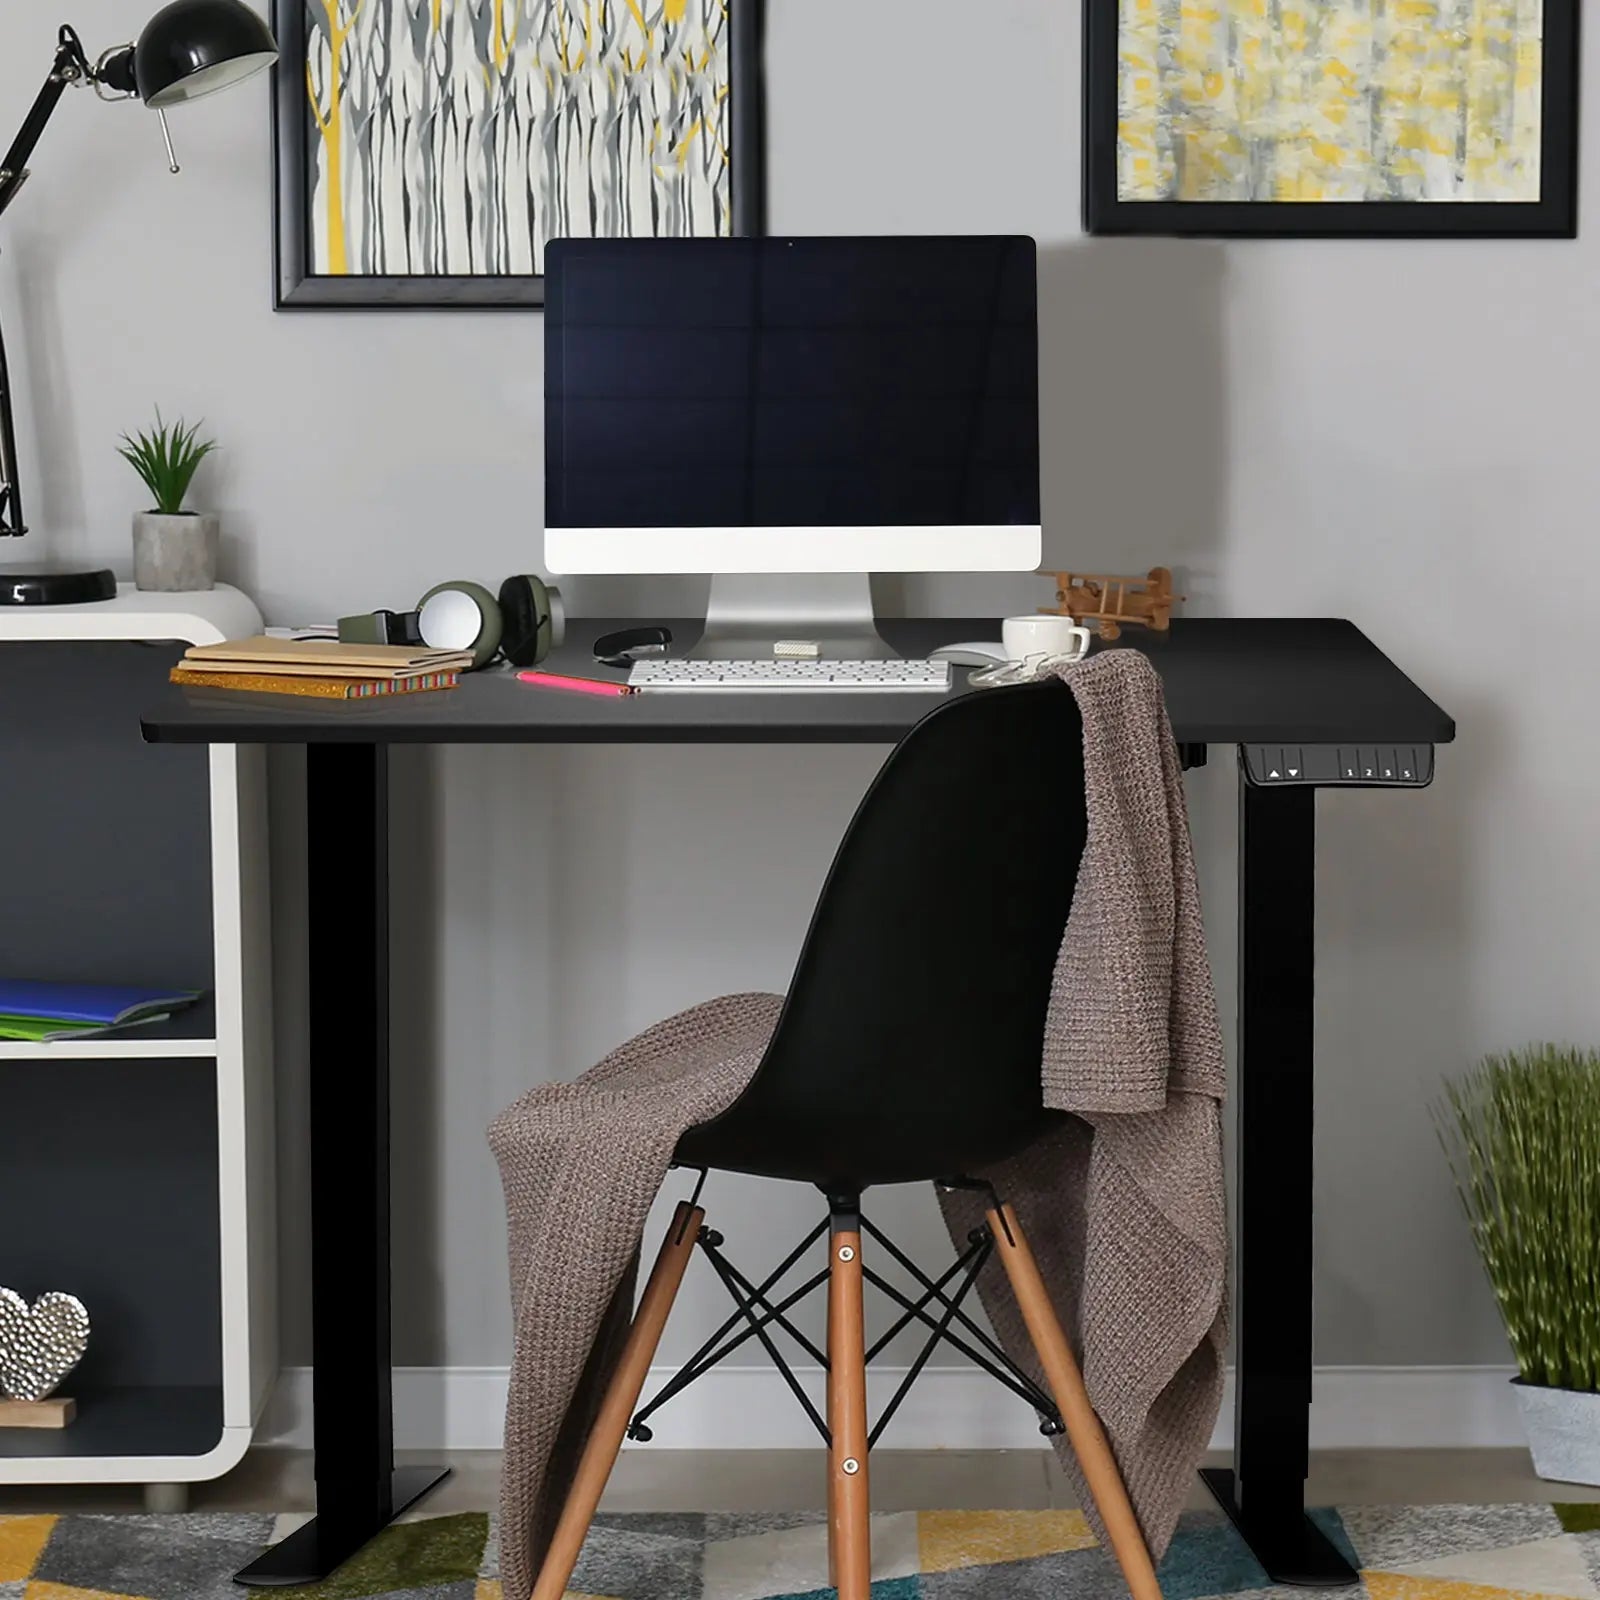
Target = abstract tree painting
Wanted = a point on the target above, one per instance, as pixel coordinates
(1323, 116)
(434, 147)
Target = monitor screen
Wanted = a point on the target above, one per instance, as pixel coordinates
(792, 404)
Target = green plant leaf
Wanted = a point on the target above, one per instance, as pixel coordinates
(166, 460)
(1522, 1135)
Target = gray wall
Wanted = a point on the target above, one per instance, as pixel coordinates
(1397, 432)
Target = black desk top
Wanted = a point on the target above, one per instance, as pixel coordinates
(1228, 681)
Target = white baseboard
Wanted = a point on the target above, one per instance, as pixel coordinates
(951, 1408)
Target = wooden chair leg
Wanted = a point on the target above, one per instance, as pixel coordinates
(1083, 1426)
(622, 1399)
(849, 1502)
(833, 1477)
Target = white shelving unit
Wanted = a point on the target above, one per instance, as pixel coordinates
(146, 1177)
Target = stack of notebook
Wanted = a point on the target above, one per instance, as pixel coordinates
(320, 667)
(35, 1011)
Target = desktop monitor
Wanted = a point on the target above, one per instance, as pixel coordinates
(792, 406)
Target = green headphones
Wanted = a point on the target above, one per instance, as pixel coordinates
(525, 622)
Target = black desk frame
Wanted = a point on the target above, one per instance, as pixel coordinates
(359, 1490)
(1264, 1491)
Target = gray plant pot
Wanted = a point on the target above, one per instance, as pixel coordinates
(175, 554)
(1563, 1428)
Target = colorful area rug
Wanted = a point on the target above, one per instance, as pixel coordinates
(1509, 1552)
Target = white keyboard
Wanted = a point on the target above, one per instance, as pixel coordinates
(810, 677)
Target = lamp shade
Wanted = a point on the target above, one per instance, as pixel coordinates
(195, 47)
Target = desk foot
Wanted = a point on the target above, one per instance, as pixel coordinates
(1294, 1550)
(313, 1552)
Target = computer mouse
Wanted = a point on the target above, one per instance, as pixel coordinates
(979, 654)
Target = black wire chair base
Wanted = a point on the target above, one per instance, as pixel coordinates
(937, 1308)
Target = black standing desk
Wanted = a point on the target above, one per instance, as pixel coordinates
(1309, 703)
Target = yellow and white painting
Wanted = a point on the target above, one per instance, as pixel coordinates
(457, 137)
(1347, 100)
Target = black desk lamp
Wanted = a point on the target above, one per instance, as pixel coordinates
(189, 49)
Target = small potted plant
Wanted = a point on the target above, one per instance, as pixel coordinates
(1523, 1135)
(173, 550)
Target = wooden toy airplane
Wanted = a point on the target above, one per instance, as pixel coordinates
(1145, 602)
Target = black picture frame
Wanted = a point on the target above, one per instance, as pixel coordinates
(1553, 216)
(297, 288)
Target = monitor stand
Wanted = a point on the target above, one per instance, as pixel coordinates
(750, 611)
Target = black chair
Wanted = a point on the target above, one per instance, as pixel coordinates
(909, 1050)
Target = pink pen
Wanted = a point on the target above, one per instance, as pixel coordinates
(559, 680)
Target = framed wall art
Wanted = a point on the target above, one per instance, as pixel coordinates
(1324, 117)
(427, 150)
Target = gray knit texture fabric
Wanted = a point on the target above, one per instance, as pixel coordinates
(1123, 1204)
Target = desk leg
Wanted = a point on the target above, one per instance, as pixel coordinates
(1264, 1491)
(359, 1491)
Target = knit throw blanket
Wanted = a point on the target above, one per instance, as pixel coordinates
(1123, 1202)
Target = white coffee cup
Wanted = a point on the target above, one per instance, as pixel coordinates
(1034, 639)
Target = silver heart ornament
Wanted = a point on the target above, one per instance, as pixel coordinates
(39, 1344)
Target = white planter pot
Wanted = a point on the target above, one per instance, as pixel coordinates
(175, 554)
(1563, 1428)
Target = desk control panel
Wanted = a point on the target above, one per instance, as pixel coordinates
(1370, 766)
